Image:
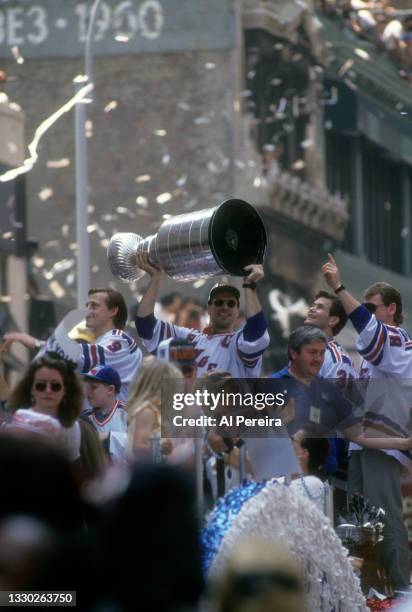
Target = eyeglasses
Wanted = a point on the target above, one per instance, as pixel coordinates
(54, 386)
(219, 302)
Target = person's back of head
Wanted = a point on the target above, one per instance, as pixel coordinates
(39, 481)
(152, 528)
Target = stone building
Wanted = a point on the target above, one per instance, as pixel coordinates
(199, 101)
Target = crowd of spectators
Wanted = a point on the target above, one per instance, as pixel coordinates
(98, 493)
(379, 22)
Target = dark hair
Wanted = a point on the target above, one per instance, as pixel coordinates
(114, 299)
(316, 445)
(305, 334)
(72, 402)
(169, 298)
(336, 310)
(40, 481)
(389, 295)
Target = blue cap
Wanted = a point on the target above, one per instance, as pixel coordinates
(105, 374)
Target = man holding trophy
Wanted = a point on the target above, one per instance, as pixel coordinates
(227, 239)
(219, 346)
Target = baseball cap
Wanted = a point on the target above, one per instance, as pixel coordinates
(179, 350)
(220, 288)
(105, 374)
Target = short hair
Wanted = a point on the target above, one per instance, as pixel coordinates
(336, 310)
(305, 334)
(114, 299)
(389, 295)
(316, 445)
(71, 405)
(169, 298)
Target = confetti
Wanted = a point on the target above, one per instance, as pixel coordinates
(387, 206)
(163, 198)
(210, 66)
(70, 279)
(201, 121)
(58, 163)
(105, 243)
(57, 289)
(183, 106)
(88, 128)
(95, 268)
(405, 232)
(111, 106)
(257, 181)
(199, 283)
(91, 228)
(17, 55)
(52, 244)
(299, 164)
(306, 144)
(121, 38)
(345, 67)
(166, 216)
(142, 201)
(362, 54)
(7, 235)
(38, 261)
(12, 147)
(143, 178)
(122, 210)
(166, 159)
(160, 132)
(45, 194)
(182, 180)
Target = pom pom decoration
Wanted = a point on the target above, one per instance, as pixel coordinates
(277, 511)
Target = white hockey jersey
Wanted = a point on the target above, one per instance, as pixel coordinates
(230, 352)
(115, 420)
(337, 363)
(387, 361)
(116, 349)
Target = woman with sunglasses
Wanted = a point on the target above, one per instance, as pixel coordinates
(48, 400)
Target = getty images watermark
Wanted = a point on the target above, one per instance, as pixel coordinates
(228, 409)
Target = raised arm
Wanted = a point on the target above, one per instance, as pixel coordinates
(147, 303)
(252, 304)
(332, 276)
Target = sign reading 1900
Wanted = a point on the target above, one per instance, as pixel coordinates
(53, 28)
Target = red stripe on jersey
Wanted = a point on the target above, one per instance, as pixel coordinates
(93, 352)
(372, 355)
(337, 354)
(107, 418)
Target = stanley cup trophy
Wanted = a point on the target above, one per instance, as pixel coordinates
(220, 240)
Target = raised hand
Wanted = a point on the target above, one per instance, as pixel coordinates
(331, 272)
(255, 273)
(142, 262)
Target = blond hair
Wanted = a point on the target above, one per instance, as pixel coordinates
(153, 378)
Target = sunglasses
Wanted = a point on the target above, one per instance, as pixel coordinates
(54, 386)
(371, 307)
(219, 302)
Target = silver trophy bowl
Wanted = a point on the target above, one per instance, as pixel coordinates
(201, 244)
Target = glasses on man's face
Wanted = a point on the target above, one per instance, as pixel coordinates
(372, 307)
(54, 386)
(219, 302)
